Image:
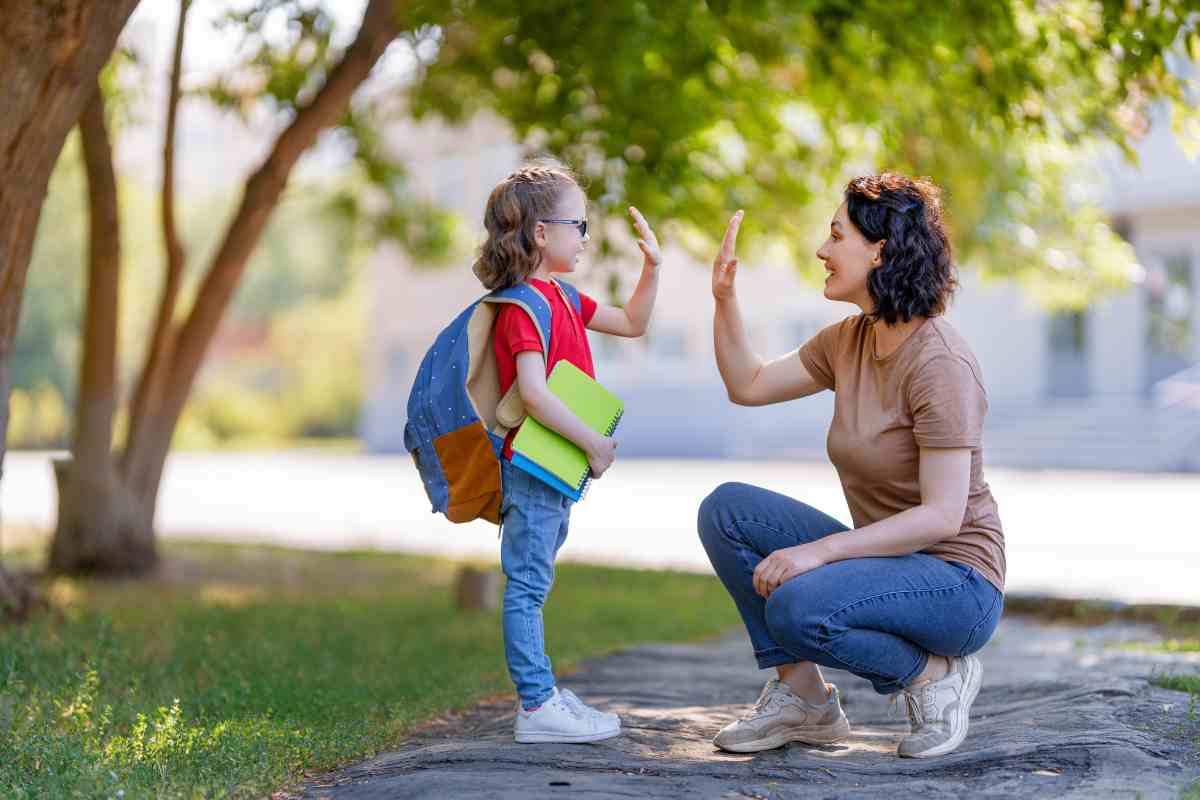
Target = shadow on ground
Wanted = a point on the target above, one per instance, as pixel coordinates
(1062, 713)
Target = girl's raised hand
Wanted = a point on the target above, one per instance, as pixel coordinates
(647, 241)
(725, 264)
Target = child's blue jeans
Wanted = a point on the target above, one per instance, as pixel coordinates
(535, 519)
(878, 618)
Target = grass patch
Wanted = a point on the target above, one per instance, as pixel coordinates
(236, 669)
(1164, 646)
(1179, 683)
(1178, 626)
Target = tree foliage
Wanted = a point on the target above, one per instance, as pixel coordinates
(692, 109)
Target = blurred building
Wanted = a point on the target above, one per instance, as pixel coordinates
(1114, 387)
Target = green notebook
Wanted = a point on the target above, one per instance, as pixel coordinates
(552, 458)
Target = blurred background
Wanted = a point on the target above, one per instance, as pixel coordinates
(221, 568)
(1064, 137)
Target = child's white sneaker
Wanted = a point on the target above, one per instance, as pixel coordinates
(606, 716)
(561, 720)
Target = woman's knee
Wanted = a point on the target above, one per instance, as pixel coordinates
(715, 507)
(720, 507)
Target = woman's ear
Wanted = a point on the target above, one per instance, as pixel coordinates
(539, 234)
(878, 259)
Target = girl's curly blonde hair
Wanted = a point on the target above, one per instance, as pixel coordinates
(510, 253)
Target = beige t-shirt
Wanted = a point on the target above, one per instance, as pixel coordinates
(926, 393)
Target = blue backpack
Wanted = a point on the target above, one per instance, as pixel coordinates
(457, 420)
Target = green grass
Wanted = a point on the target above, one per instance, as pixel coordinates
(237, 670)
(1180, 683)
(1163, 646)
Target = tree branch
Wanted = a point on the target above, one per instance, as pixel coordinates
(154, 371)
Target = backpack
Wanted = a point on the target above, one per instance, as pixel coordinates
(457, 421)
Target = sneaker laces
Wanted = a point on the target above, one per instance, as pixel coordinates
(770, 699)
(579, 708)
(918, 704)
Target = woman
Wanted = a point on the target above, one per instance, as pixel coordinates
(905, 597)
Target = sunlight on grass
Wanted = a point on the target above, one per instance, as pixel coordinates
(234, 669)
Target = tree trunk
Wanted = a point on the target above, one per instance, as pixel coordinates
(50, 55)
(103, 526)
(100, 526)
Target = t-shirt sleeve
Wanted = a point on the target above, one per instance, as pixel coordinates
(948, 404)
(817, 355)
(515, 332)
(587, 308)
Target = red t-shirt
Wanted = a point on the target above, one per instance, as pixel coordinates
(515, 333)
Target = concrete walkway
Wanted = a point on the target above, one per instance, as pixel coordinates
(1062, 713)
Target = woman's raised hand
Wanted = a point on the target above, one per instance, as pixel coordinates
(725, 264)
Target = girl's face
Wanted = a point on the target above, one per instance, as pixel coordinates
(560, 243)
(848, 259)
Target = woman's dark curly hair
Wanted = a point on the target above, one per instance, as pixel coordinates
(510, 254)
(917, 276)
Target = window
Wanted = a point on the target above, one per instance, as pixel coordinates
(1068, 365)
(1170, 313)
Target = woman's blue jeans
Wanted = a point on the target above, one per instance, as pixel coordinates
(534, 526)
(878, 618)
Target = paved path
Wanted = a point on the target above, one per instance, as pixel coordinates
(1061, 714)
(1128, 537)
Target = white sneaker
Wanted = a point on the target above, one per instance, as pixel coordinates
(939, 711)
(607, 717)
(560, 720)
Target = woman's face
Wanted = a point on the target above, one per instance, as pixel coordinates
(561, 244)
(848, 259)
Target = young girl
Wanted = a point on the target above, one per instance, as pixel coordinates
(536, 222)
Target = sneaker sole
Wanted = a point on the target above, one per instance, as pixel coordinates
(837, 732)
(974, 682)
(535, 737)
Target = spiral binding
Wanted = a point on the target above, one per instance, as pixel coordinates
(587, 477)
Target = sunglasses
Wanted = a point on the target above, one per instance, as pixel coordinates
(580, 224)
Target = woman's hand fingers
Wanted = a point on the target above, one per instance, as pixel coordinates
(639, 221)
(729, 243)
(764, 575)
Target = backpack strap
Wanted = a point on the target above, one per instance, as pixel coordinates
(573, 295)
(510, 411)
(535, 305)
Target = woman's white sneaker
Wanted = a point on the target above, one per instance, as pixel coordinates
(939, 711)
(565, 721)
